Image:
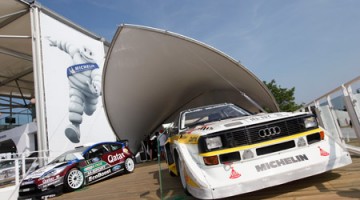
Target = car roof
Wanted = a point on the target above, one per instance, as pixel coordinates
(207, 106)
(86, 148)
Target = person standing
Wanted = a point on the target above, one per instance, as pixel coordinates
(154, 144)
(162, 140)
(149, 148)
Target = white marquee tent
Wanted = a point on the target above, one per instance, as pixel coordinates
(150, 75)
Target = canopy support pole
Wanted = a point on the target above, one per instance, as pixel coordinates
(39, 86)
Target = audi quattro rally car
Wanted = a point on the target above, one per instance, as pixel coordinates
(76, 168)
(222, 150)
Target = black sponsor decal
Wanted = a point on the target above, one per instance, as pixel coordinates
(281, 162)
(99, 175)
(48, 196)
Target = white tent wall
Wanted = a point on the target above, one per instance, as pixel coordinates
(72, 65)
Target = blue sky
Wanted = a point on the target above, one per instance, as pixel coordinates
(312, 45)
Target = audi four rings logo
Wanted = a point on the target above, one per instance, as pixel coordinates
(266, 132)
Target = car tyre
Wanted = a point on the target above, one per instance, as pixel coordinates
(181, 172)
(74, 180)
(129, 165)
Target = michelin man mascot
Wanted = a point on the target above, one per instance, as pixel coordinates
(85, 85)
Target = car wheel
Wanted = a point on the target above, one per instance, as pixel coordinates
(129, 165)
(74, 180)
(181, 172)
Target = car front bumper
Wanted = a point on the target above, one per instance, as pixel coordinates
(231, 179)
(37, 194)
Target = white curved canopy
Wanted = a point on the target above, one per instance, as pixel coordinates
(150, 75)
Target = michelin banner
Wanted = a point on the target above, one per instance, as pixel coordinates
(72, 63)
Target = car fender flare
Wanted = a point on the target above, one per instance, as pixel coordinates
(193, 170)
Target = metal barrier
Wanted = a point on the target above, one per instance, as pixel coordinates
(339, 112)
(13, 170)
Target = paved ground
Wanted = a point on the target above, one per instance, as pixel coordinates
(343, 183)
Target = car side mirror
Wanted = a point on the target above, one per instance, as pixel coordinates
(168, 126)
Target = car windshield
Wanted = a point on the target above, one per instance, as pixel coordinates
(204, 115)
(69, 155)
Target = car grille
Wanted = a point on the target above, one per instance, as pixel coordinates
(250, 135)
(28, 189)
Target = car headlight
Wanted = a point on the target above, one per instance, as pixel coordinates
(213, 142)
(310, 122)
(52, 172)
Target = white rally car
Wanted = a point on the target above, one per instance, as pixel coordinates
(222, 150)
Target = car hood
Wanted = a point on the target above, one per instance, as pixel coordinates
(232, 123)
(41, 171)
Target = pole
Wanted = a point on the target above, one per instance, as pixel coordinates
(160, 178)
(39, 86)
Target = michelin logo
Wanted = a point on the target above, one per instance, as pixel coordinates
(281, 162)
(81, 68)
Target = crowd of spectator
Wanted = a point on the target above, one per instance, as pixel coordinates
(155, 143)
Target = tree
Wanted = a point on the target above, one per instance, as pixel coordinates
(283, 96)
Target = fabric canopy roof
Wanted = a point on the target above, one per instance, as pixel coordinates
(16, 78)
(150, 75)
